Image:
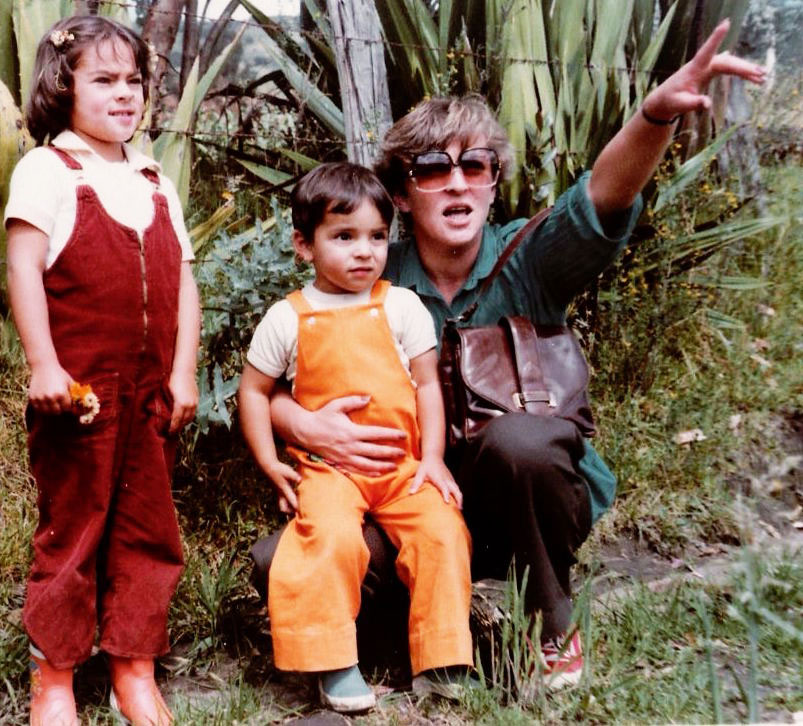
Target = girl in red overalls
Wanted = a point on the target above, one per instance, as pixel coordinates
(103, 298)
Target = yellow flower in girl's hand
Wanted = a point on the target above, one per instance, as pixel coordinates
(84, 402)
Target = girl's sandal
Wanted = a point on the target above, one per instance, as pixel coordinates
(52, 699)
(135, 698)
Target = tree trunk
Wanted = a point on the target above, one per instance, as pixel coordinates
(189, 48)
(696, 126)
(739, 156)
(360, 56)
(86, 7)
(160, 30)
(214, 35)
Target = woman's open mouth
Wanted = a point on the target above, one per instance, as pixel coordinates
(457, 211)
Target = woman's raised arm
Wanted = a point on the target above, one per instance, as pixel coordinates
(629, 159)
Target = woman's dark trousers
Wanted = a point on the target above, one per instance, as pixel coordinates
(524, 502)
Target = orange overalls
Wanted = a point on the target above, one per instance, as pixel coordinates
(321, 559)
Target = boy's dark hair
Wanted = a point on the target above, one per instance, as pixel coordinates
(57, 56)
(338, 187)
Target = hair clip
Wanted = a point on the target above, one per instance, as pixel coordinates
(60, 87)
(59, 38)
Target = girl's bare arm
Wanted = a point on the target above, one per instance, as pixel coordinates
(183, 384)
(255, 411)
(27, 250)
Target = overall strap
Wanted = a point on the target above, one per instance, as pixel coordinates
(299, 302)
(527, 229)
(151, 176)
(296, 298)
(69, 161)
(72, 163)
(379, 291)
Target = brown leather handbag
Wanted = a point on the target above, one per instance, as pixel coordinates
(515, 366)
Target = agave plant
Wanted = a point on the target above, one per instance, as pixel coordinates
(563, 75)
(14, 142)
(22, 24)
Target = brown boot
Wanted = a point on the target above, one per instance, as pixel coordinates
(52, 699)
(135, 693)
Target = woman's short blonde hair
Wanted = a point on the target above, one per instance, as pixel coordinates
(434, 124)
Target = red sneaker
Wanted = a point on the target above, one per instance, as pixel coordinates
(563, 661)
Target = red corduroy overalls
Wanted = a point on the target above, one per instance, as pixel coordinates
(107, 550)
(321, 559)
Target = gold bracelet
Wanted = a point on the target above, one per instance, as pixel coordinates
(658, 121)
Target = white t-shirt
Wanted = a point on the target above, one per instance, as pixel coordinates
(42, 192)
(274, 347)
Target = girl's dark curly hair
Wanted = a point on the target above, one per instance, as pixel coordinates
(50, 106)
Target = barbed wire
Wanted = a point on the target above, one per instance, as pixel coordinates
(206, 137)
(200, 137)
(458, 53)
(453, 55)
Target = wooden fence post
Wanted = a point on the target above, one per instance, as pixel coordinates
(159, 30)
(360, 56)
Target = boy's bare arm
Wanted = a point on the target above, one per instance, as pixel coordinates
(254, 400)
(27, 250)
(432, 423)
(183, 384)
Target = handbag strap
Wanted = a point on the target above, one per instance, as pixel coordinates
(526, 229)
(524, 343)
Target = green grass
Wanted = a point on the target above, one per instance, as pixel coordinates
(694, 653)
(17, 522)
(683, 655)
(661, 638)
(699, 374)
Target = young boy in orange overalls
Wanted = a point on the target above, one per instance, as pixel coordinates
(350, 333)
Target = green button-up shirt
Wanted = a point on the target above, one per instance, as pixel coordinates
(548, 269)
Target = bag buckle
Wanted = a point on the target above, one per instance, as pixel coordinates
(522, 398)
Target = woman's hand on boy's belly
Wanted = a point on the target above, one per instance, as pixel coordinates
(355, 447)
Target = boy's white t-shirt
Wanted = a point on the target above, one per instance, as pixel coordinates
(274, 347)
(42, 192)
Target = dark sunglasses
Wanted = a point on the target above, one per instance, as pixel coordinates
(432, 170)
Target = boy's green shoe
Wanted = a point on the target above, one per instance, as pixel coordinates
(345, 691)
(450, 682)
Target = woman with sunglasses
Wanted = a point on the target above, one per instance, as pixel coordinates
(532, 486)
